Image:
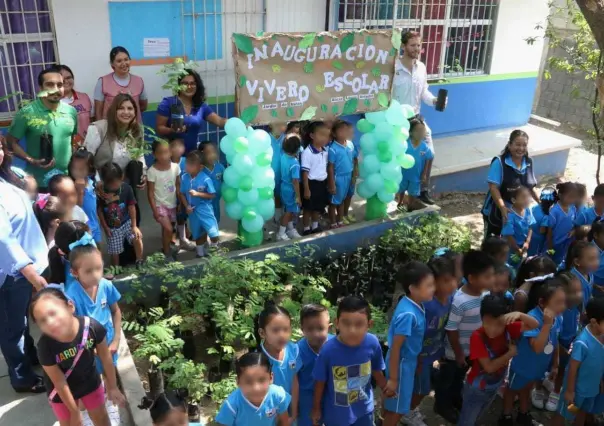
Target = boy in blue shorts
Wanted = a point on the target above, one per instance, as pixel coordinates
(177, 149)
(583, 380)
(405, 338)
(290, 187)
(342, 166)
(344, 368)
(214, 170)
(423, 156)
(196, 194)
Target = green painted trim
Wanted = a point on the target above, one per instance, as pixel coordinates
(485, 78)
(212, 100)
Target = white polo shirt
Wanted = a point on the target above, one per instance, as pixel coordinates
(314, 162)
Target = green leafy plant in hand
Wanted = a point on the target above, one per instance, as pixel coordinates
(174, 72)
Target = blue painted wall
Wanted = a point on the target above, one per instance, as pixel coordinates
(163, 19)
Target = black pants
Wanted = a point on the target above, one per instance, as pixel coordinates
(491, 228)
(448, 388)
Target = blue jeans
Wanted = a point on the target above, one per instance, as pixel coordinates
(16, 344)
(475, 401)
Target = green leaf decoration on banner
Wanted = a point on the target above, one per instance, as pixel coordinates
(393, 52)
(335, 109)
(309, 113)
(350, 107)
(242, 80)
(337, 65)
(320, 88)
(346, 42)
(383, 100)
(396, 38)
(274, 113)
(307, 41)
(376, 72)
(289, 112)
(276, 69)
(369, 41)
(367, 103)
(309, 67)
(360, 65)
(274, 36)
(324, 108)
(321, 39)
(243, 43)
(265, 42)
(259, 33)
(249, 114)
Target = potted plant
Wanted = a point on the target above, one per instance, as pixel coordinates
(186, 374)
(175, 71)
(136, 147)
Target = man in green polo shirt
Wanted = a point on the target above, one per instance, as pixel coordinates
(46, 114)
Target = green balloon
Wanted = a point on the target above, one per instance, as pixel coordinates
(246, 183)
(241, 145)
(365, 126)
(263, 159)
(375, 209)
(407, 161)
(229, 194)
(265, 193)
(385, 156)
(249, 213)
(250, 239)
(390, 186)
(383, 146)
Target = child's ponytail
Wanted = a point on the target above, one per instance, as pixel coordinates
(67, 233)
(47, 209)
(161, 406)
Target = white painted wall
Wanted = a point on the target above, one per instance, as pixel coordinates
(295, 15)
(516, 21)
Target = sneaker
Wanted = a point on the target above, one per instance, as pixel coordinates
(448, 413)
(282, 237)
(538, 398)
(413, 418)
(317, 230)
(425, 198)
(293, 234)
(525, 419)
(548, 385)
(187, 245)
(505, 420)
(552, 402)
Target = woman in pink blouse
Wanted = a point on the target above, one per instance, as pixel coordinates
(80, 101)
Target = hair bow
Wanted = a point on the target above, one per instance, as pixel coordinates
(42, 201)
(439, 252)
(540, 278)
(51, 174)
(86, 240)
(547, 195)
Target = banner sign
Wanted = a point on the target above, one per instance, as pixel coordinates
(291, 76)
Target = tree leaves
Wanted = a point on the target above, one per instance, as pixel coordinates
(309, 67)
(309, 113)
(242, 80)
(249, 114)
(350, 107)
(383, 100)
(396, 38)
(307, 41)
(289, 112)
(346, 42)
(337, 65)
(243, 43)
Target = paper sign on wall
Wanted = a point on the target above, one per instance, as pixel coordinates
(293, 76)
(156, 47)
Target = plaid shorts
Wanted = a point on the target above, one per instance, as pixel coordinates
(168, 212)
(115, 243)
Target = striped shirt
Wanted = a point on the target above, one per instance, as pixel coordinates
(465, 318)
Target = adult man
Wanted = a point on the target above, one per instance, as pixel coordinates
(45, 115)
(410, 86)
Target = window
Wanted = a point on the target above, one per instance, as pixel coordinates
(27, 46)
(457, 34)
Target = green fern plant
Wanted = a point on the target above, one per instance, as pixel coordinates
(174, 71)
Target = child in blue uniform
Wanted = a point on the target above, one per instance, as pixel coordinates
(168, 409)
(93, 295)
(277, 132)
(499, 250)
(419, 150)
(274, 333)
(597, 238)
(355, 174)
(518, 228)
(583, 379)
(177, 150)
(531, 268)
(343, 165)
(501, 286)
(433, 346)
(343, 371)
(492, 346)
(82, 171)
(583, 260)
(405, 339)
(256, 401)
(537, 351)
(561, 221)
(290, 187)
(314, 322)
(214, 169)
(588, 215)
(540, 212)
(196, 195)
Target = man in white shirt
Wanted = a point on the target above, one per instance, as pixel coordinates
(410, 86)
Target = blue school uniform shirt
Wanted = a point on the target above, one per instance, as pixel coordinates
(346, 371)
(421, 154)
(308, 357)
(537, 245)
(570, 326)
(285, 370)
(437, 314)
(518, 226)
(561, 224)
(527, 363)
(409, 320)
(200, 183)
(99, 309)
(276, 144)
(290, 169)
(589, 351)
(236, 410)
(69, 278)
(342, 157)
(216, 175)
(89, 207)
(586, 285)
(599, 274)
(586, 216)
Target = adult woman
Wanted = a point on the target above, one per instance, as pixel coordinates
(192, 98)
(24, 258)
(120, 81)
(80, 101)
(108, 139)
(511, 169)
